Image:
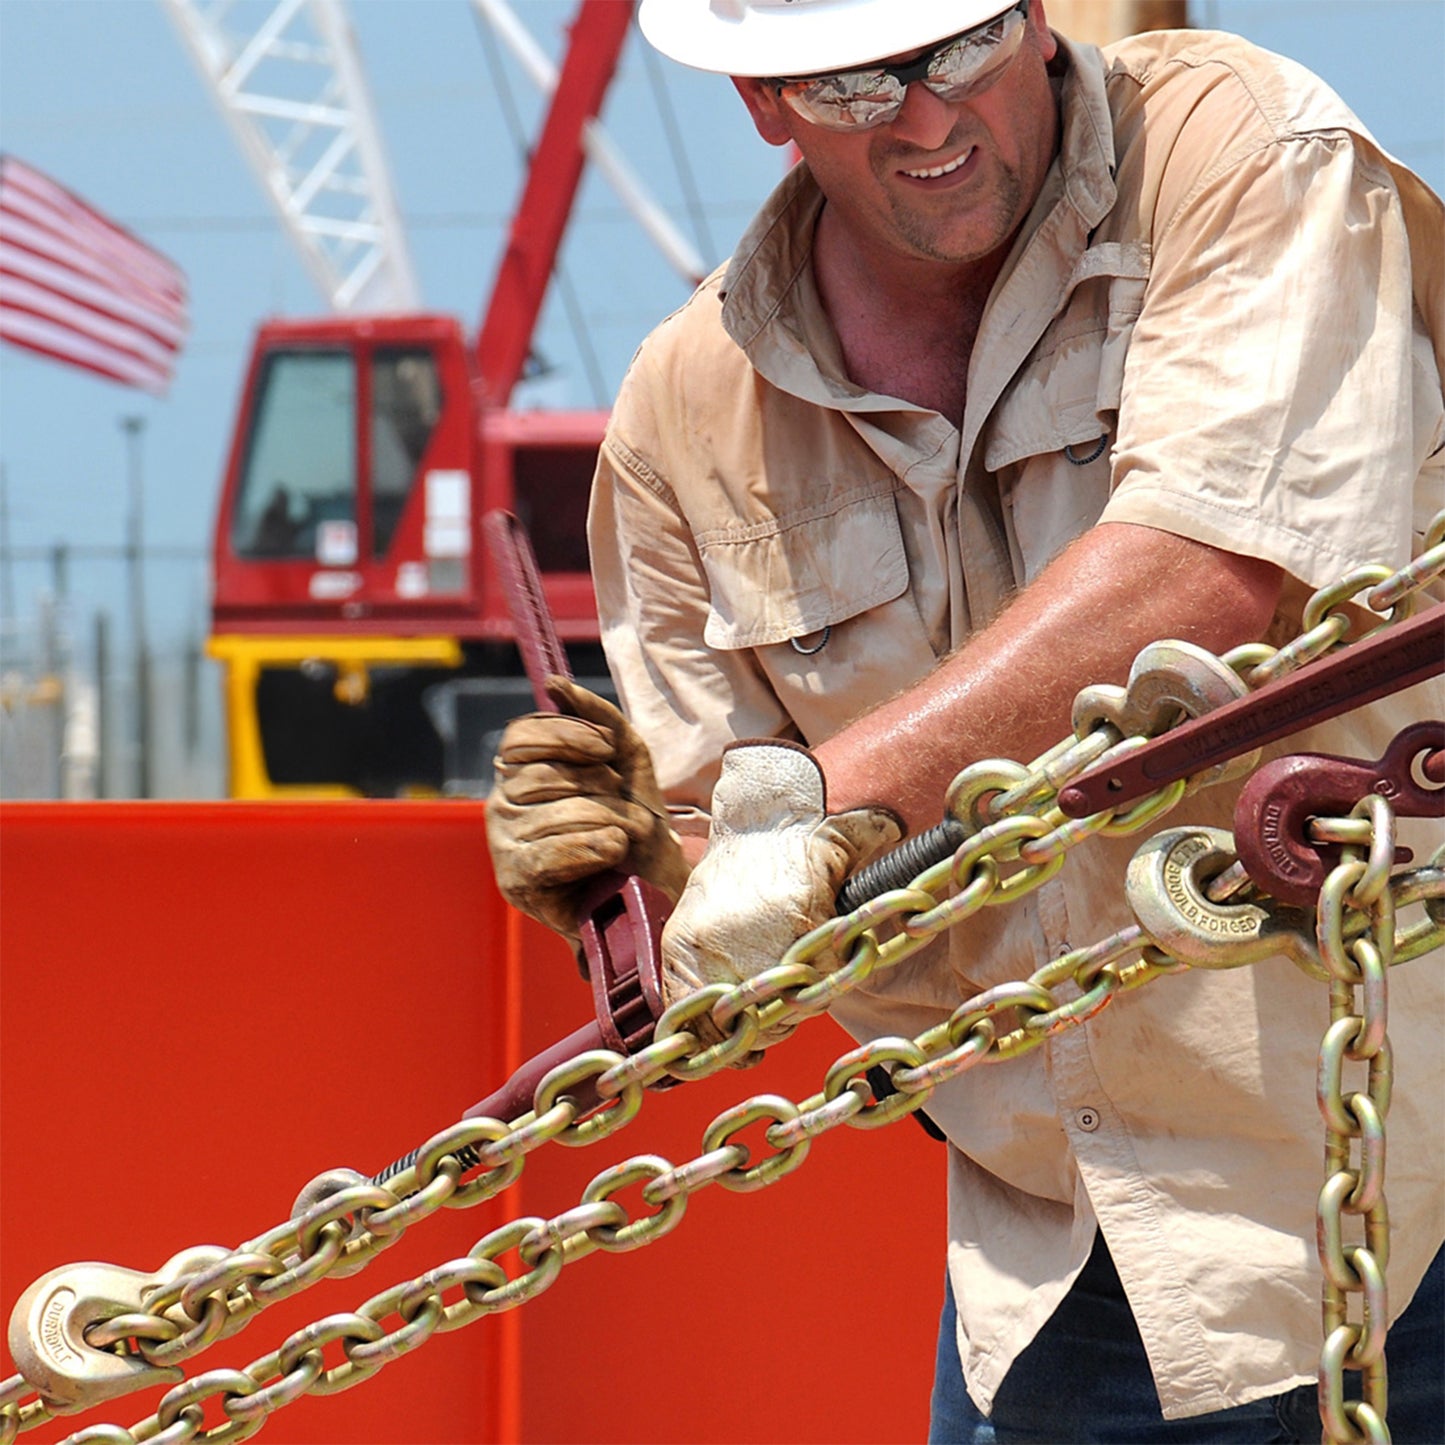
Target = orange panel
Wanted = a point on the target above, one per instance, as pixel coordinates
(204, 1005)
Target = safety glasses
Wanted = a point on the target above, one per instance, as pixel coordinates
(955, 69)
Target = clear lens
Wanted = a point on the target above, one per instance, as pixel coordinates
(862, 99)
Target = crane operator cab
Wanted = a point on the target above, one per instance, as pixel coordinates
(365, 638)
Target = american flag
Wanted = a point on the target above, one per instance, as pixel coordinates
(77, 287)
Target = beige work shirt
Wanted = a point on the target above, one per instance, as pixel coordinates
(1224, 333)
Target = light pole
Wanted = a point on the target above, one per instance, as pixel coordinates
(134, 428)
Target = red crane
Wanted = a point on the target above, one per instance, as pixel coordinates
(366, 644)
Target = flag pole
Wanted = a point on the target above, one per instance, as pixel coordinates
(134, 428)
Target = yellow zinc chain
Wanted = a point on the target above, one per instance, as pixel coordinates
(1021, 839)
(1357, 1033)
(481, 1285)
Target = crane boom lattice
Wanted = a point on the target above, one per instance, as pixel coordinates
(286, 77)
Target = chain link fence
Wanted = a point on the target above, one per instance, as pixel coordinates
(83, 718)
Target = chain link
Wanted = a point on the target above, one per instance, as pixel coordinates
(17, 1413)
(1019, 839)
(1359, 1018)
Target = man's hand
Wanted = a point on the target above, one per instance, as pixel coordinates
(774, 864)
(575, 795)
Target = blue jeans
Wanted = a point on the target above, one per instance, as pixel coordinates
(1085, 1378)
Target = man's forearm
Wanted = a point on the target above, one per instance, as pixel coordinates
(1010, 690)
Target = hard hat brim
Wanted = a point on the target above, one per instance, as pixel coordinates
(806, 37)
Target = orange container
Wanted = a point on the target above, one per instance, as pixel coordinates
(202, 1006)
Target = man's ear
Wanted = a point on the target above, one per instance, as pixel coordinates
(766, 110)
(1048, 47)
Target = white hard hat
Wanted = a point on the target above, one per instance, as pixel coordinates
(802, 37)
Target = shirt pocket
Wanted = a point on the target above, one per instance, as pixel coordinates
(1065, 397)
(788, 576)
(820, 597)
(1050, 439)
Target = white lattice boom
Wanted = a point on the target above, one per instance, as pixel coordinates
(287, 79)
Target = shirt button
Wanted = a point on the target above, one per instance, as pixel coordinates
(1087, 1119)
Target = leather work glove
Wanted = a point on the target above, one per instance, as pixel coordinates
(775, 861)
(575, 795)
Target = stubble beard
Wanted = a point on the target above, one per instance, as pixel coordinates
(989, 223)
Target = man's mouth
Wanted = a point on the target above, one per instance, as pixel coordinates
(932, 173)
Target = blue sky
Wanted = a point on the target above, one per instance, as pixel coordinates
(101, 94)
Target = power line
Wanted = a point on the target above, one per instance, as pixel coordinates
(430, 220)
(673, 133)
(102, 552)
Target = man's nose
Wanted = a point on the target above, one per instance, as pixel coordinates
(924, 119)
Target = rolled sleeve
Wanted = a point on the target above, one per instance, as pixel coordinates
(1270, 402)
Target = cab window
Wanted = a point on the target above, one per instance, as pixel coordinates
(405, 405)
(298, 487)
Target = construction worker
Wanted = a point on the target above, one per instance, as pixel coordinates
(1042, 353)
